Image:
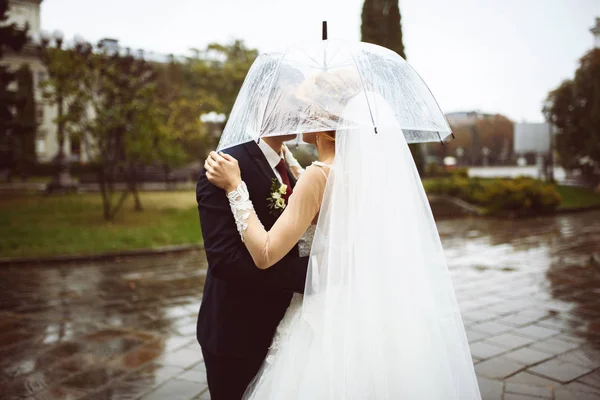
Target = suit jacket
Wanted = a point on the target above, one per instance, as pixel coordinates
(242, 305)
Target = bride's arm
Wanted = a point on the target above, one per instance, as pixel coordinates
(267, 248)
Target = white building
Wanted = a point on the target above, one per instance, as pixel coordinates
(25, 12)
(28, 12)
(532, 138)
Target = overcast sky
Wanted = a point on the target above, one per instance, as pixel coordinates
(498, 56)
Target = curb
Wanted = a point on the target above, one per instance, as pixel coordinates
(574, 210)
(101, 256)
(468, 208)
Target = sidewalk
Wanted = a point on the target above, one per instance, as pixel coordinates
(125, 329)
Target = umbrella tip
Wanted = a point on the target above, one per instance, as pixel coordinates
(324, 30)
(453, 137)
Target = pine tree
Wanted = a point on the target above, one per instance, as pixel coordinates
(381, 25)
(13, 38)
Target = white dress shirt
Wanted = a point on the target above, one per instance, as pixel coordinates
(272, 157)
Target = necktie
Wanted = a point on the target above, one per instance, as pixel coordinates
(285, 179)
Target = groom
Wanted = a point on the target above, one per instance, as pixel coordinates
(242, 305)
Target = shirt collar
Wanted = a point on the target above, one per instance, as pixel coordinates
(272, 157)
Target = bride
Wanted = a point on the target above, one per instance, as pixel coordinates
(379, 318)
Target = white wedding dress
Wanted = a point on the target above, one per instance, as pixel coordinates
(291, 324)
(379, 317)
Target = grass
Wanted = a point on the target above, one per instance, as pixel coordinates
(34, 225)
(576, 197)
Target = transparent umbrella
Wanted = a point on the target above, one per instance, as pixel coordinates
(306, 88)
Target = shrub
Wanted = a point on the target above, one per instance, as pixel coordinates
(519, 197)
(434, 170)
(461, 172)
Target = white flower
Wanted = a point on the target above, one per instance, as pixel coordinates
(283, 189)
(276, 195)
(280, 203)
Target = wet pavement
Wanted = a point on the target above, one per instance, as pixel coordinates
(529, 292)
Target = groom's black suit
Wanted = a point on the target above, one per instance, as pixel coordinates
(242, 305)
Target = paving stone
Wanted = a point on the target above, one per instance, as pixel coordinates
(537, 332)
(498, 368)
(176, 389)
(528, 390)
(490, 389)
(583, 356)
(510, 340)
(527, 356)
(484, 350)
(527, 378)
(491, 328)
(561, 394)
(560, 370)
(513, 396)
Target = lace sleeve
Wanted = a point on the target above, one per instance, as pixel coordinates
(241, 207)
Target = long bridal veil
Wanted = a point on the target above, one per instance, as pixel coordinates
(379, 318)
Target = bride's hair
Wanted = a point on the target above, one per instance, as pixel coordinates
(329, 135)
(324, 95)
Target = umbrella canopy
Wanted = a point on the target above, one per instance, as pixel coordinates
(307, 87)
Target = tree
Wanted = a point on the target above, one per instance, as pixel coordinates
(118, 121)
(181, 103)
(11, 38)
(381, 25)
(220, 72)
(25, 122)
(574, 109)
(63, 90)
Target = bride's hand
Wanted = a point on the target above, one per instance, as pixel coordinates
(223, 171)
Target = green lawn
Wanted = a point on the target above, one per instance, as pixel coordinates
(35, 225)
(575, 197)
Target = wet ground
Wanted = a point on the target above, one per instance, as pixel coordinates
(529, 291)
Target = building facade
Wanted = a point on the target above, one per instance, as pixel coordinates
(27, 12)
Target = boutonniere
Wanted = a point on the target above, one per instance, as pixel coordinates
(276, 200)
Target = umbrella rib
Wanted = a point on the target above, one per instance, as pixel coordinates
(270, 93)
(313, 60)
(362, 82)
(431, 93)
(334, 53)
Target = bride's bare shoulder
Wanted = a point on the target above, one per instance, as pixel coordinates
(311, 185)
(315, 172)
